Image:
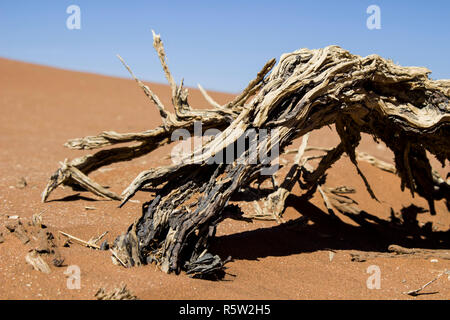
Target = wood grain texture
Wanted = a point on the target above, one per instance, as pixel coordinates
(306, 90)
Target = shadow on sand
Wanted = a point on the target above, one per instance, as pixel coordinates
(330, 232)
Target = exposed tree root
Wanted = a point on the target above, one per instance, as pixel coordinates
(306, 90)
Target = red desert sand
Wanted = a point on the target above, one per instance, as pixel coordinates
(43, 107)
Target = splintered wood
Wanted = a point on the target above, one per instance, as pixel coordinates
(306, 90)
(36, 261)
(43, 250)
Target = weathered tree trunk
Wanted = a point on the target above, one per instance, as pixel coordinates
(306, 90)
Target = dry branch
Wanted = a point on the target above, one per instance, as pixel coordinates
(417, 291)
(423, 253)
(276, 201)
(149, 140)
(208, 98)
(35, 260)
(306, 90)
(89, 244)
(360, 156)
(396, 251)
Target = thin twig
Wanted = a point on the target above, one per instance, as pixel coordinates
(325, 200)
(149, 93)
(208, 98)
(97, 239)
(85, 243)
(416, 292)
(117, 257)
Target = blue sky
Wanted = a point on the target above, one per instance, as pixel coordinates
(219, 44)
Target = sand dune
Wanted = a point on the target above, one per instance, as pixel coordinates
(42, 107)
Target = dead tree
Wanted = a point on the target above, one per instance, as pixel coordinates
(306, 90)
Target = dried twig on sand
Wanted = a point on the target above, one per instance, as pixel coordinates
(35, 234)
(36, 219)
(19, 231)
(306, 90)
(35, 260)
(92, 243)
(417, 291)
(360, 156)
(275, 202)
(396, 251)
(423, 253)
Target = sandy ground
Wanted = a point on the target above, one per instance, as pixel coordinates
(42, 107)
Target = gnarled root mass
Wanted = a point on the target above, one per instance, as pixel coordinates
(306, 90)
